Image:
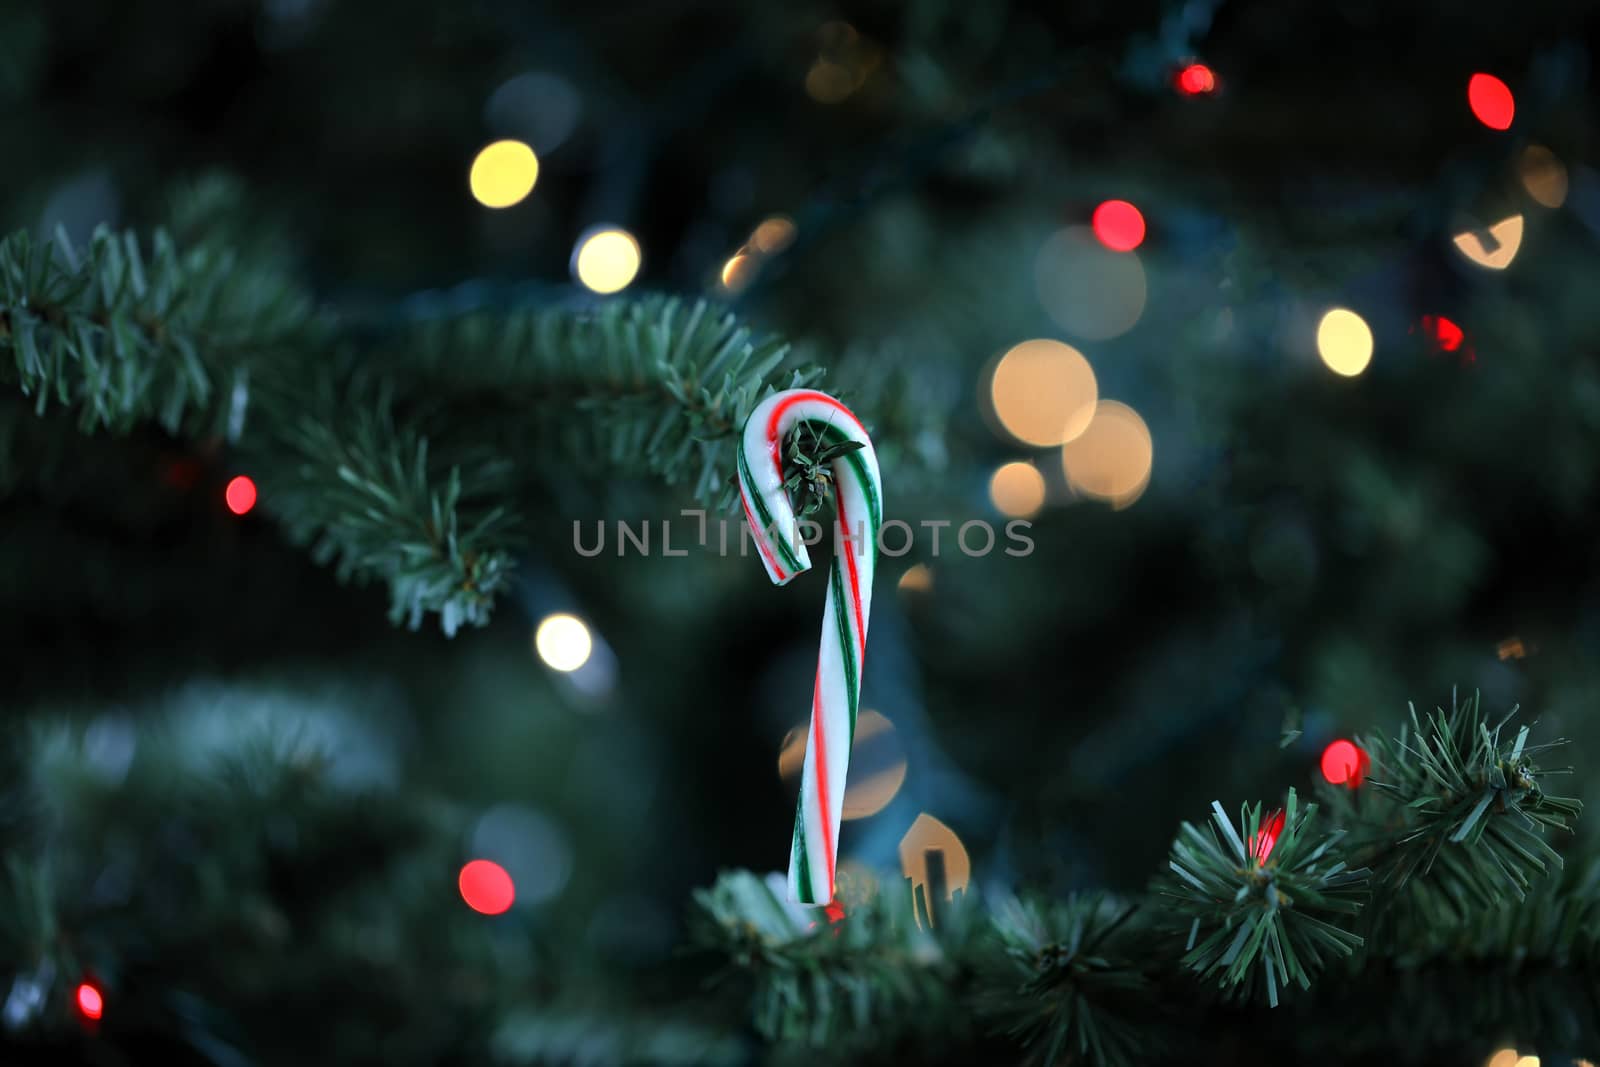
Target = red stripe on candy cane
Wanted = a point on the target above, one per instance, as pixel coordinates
(821, 741)
(855, 581)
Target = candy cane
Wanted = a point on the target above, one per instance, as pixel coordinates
(776, 528)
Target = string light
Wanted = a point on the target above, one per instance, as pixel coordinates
(486, 887)
(607, 260)
(917, 579)
(929, 838)
(1091, 291)
(563, 642)
(503, 174)
(773, 235)
(1119, 225)
(739, 271)
(1543, 176)
(1494, 248)
(1112, 459)
(1267, 836)
(1506, 1057)
(1017, 490)
(1196, 79)
(1343, 763)
(1344, 341)
(1491, 101)
(90, 1001)
(240, 495)
(1044, 392)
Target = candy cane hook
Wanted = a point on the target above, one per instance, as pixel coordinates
(859, 504)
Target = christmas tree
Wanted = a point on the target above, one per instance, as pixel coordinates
(393, 674)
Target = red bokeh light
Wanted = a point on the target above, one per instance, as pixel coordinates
(91, 1005)
(1267, 836)
(240, 495)
(1119, 225)
(1446, 334)
(1491, 101)
(1343, 763)
(1196, 79)
(486, 887)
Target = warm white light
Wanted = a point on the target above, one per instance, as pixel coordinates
(917, 579)
(739, 271)
(1112, 459)
(1017, 490)
(563, 642)
(1345, 342)
(1543, 175)
(773, 235)
(503, 174)
(1495, 247)
(607, 260)
(1043, 392)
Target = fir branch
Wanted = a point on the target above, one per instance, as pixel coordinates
(820, 983)
(1260, 916)
(1467, 812)
(661, 386)
(122, 336)
(1063, 984)
(367, 495)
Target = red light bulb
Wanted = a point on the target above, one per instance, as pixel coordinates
(1491, 101)
(1196, 79)
(1343, 763)
(240, 495)
(486, 887)
(1267, 836)
(91, 1004)
(1119, 225)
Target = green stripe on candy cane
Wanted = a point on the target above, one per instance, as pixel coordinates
(775, 527)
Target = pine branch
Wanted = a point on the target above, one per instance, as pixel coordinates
(122, 336)
(1467, 815)
(661, 386)
(862, 978)
(1261, 915)
(1064, 983)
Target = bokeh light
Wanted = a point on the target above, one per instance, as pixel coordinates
(1491, 101)
(1495, 247)
(1112, 459)
(1119, 225)
(877, 763)
(563, 642)
(844, 61)
(1043, 392)
(1196, 79)
(1445, 334)
(927, 846)
(240, 495)
(739, 271)
(1506, 1057)
(1267, 835)
(607, 260)
(1543, 176)
(91, 1003)
(1344, 763)
(1017, 490)
(773, 235)
(1089, 290)
(503, 174)
(537, 107)
(1527, 1061)
(917, 579)
(486, 887)
(1344, 341)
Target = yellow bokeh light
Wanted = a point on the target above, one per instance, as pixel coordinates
(1112, 459)
(563, 642)
(1089, 290)
(739, 271)
(1344, 340)
(1527, 1061)
(1543, 175)
(931, 840)
(1044, 392)
(607, 260)
(1506, 1057)
(917, 579)
(773, 235)
(1017, 490)
(1495, 247)
(503, 174)
(877, 764)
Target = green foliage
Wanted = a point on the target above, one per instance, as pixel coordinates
(122, 336)
(1471, 807)
(1065, 985)
(1258, 922)
(859, 979)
